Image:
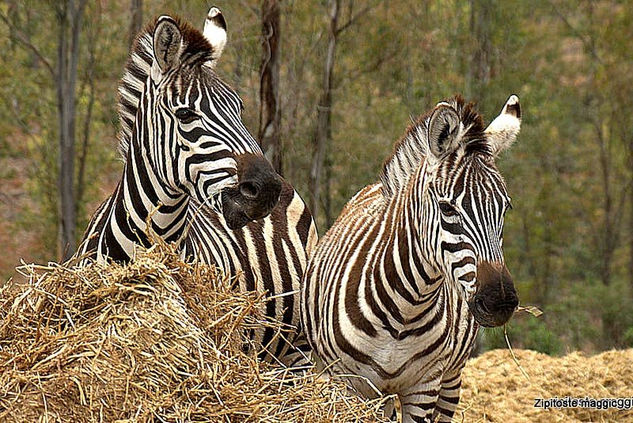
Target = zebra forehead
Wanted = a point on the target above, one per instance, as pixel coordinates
(463, 171)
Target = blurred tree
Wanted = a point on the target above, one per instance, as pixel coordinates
(69, 15)
(480, 63)
(136, 19)
(269, 106)
(324, 111)
(323, 133)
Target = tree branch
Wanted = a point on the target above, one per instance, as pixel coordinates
(355, 18)
(24, 41)
(587, 43)
(371, 68)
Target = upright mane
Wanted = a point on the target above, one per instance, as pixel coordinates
(411, 149)
(196, 49)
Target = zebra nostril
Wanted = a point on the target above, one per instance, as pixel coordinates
(249, 190)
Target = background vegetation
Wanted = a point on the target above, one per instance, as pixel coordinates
(569, 239)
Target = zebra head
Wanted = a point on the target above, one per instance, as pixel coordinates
(189, 123)
(466, 203)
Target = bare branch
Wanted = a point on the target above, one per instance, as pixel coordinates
(589, 45)
(253, 9)
(352, 20)
(89, 79)
(371, 68)
(25, 41)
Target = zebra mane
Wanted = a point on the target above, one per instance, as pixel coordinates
(410, 150)
(196, 50)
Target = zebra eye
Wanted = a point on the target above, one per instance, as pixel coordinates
(186, 115)
(448, 209)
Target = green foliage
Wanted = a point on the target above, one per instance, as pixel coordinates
(531, 332)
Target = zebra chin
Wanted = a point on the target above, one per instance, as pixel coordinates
(496, 299)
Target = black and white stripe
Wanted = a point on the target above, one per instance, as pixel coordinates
(182, 138)
(270, 255)
(396, 289)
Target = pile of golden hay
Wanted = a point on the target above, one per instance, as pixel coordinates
(163, 340)
(157, 340)
(496, 390)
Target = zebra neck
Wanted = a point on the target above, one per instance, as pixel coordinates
(413, 279)
(145, 201)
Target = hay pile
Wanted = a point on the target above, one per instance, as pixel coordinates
(495, 390)
(158, 340)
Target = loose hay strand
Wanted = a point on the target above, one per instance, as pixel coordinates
(514, 357)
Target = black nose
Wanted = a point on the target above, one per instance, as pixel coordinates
(256, 194)
(258, 181)
(496, 298)
(260, 193)
(501, 310)
(507, 305)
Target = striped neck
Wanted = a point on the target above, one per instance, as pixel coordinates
(413, 276)
(144, 200)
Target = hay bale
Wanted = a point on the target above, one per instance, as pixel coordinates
(495, 390)
(156, 340)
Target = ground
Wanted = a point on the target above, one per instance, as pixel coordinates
(495, 389)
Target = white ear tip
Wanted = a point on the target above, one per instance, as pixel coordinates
(213, 12)
(215, 32)
(512, 107)
(215, 18)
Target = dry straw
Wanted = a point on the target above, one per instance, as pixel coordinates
(163, 340)
(157, 340)
(495, 390)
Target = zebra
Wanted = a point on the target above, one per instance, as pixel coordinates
(396, 289)
(196, 176)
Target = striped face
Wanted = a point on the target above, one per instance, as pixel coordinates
(191, 126)
(465, 204)
(468, 201)
(199, 133)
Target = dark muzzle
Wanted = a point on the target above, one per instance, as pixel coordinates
(256, 193)
(496, 298)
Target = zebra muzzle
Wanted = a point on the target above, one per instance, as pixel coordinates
(256, 193)
(496, 299)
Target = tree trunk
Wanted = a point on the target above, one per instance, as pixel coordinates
(69, 18)
(479, 71)
(269, 109)
(327, 201)
(631, 220)
(136, 19)
(324, 112)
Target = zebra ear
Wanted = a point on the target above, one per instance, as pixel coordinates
(502, 131)
(215, 33)
(167, 41)
(443, 130)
